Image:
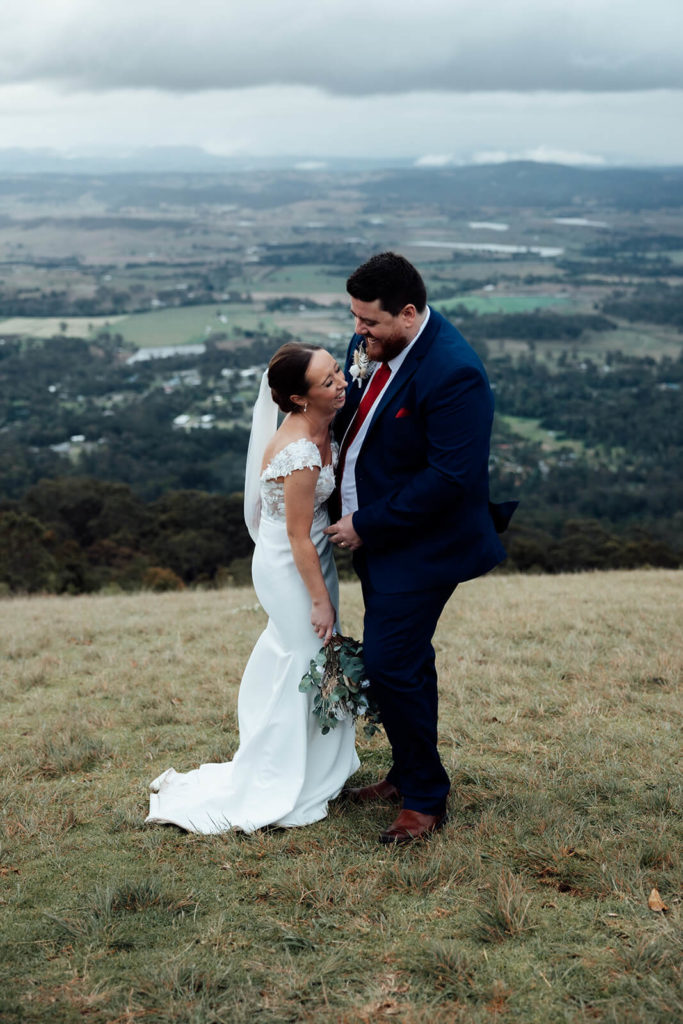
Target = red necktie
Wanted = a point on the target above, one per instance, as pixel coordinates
(379, 379)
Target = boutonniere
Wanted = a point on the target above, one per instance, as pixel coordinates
(362, 364)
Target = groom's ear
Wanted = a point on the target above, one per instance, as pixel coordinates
(408, 314)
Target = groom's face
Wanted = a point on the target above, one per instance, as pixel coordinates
(385, 335)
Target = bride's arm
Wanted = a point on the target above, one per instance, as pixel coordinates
(299, 489)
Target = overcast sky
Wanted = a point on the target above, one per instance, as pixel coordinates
(583, 81)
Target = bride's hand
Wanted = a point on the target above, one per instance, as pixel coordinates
(323, 618)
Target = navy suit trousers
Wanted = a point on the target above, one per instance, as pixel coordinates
(400, 663)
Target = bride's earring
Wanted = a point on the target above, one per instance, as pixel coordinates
(305, 406)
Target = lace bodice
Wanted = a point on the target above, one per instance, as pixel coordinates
(300, 454)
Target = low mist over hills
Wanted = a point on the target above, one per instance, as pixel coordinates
(515, 183)
(530, 184)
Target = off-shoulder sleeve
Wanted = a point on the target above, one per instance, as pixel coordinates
(301, 454)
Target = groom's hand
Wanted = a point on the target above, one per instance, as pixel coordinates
(343, 534)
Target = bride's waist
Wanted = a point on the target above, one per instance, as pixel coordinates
(277, 518)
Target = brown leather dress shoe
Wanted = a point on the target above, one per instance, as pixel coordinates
(379, 791)
(412, 825)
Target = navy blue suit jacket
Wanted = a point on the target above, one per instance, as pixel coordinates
(422, 472)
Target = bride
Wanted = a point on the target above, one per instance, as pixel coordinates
(285, 771)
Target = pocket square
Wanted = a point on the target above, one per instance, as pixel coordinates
(401, 413)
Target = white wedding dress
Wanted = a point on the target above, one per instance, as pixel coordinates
(285, 770)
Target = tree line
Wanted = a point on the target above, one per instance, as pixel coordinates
(78, 535)
(599, 484)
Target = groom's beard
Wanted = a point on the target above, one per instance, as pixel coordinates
(381, 350)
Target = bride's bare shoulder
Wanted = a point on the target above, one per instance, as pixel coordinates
(283, 438)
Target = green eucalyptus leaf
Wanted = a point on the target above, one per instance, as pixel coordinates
(337, 678)
(352, 667)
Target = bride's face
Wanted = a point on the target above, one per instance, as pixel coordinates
(327, 384)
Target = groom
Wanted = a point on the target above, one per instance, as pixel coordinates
(415, 512)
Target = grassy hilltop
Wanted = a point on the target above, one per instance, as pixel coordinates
(559, 728)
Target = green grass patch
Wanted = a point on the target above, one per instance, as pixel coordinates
(187, 325)
(531, 430)
(636, 340)
(482, 304)
(559, 726)
(306, 279)
(190, 325)
(52, 326)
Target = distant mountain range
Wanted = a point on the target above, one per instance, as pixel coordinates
(169, 159)
(270, 181)
(533, 185)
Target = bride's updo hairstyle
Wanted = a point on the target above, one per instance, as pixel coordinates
(287, 374)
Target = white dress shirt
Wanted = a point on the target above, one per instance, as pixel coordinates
(349, 496)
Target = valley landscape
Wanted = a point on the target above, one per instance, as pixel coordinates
(137, 312)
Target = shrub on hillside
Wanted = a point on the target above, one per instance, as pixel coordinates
(159, 580)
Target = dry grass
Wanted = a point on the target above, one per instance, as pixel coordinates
(558, 725)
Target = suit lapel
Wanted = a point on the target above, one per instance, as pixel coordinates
(408, 367)
(353, 394)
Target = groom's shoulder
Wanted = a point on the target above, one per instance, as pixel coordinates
(450, 347)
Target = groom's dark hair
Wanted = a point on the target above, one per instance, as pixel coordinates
(391, 279)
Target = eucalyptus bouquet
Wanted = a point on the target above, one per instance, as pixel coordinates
(337, 674)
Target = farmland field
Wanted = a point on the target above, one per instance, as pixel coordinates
(190, 324)
(531, 430)
(505, 303)
(50, 326)
(193, 324)
(186, 325)
(295, 280)
(635, 340)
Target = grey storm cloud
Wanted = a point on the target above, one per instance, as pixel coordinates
(344, 47)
